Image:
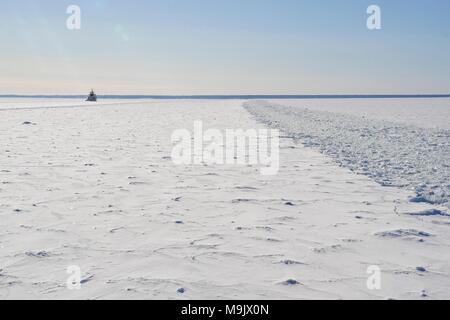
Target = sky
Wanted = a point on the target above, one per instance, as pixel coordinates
(225, 47)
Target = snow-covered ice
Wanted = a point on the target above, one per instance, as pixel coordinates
(94, 186)
(392, 153)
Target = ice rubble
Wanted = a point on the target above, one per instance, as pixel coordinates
(392, 154)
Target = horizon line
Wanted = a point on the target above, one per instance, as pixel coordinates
(230, 96)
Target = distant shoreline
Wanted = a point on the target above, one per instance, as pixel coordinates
(235, 97)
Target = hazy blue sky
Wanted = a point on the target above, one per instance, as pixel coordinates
(225, 47)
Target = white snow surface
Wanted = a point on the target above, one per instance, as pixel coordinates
(94, 186)
(419, 112)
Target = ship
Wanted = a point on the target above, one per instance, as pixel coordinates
(92, 96)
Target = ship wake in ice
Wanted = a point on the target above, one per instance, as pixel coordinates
(393, 154)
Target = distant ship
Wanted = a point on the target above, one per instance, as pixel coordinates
(92, 97)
